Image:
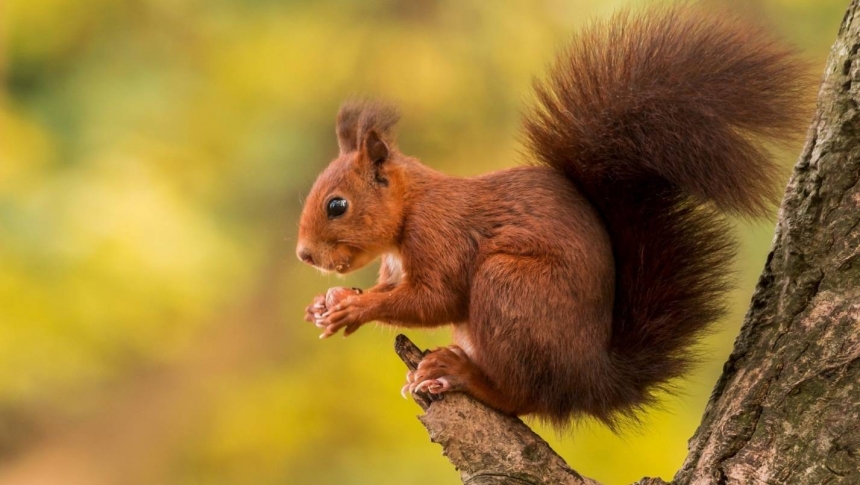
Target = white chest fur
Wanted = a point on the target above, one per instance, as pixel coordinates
(393, 268)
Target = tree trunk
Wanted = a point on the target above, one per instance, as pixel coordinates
(787, 407)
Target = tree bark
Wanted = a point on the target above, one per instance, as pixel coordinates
(787, 407)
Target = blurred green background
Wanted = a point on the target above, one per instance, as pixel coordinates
(153, 158)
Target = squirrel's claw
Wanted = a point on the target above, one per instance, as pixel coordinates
(439, 385)
(423, 385)
(407, 388)
(433, 386)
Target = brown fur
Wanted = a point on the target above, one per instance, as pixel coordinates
(576, 285)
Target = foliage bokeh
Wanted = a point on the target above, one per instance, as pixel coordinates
(153, 157)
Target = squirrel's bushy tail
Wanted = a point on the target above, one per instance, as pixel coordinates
(658, 118)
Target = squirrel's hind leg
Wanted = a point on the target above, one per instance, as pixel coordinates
(540, 327)
(449, 369)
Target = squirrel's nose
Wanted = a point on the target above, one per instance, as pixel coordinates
(304, 254)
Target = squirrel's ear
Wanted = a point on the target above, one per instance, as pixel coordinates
(375, 149)
(361, 122)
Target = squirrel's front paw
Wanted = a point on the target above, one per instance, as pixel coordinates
(318, 309)
(345, 310)
(314, 311)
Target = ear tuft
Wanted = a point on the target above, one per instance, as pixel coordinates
(356, 119)
(347, 127)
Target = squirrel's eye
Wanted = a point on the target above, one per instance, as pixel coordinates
(336, 207)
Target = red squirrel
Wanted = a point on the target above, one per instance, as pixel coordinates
(576, 284)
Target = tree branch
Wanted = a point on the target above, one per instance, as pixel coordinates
(485, 446)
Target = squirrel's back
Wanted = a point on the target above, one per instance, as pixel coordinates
(659, 118)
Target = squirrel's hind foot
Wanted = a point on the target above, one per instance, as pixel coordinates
(446, 369)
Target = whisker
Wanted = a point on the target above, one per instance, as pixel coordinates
(351, 243)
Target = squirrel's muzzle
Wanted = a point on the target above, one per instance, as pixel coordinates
(304, 254)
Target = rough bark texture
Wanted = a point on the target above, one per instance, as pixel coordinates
(787, 407)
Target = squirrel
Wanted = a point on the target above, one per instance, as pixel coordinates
(577, 284)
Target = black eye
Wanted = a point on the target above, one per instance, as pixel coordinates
(336, 207)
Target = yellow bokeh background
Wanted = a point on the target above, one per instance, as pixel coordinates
(153, 159)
